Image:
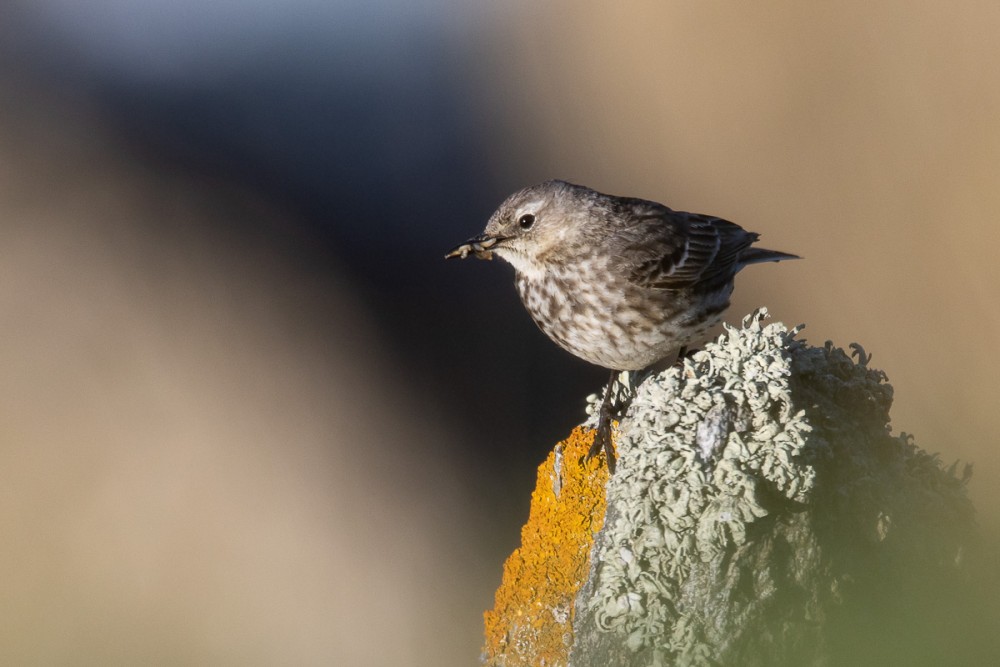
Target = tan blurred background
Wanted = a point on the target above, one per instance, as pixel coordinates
(215, 452)
(205, 460)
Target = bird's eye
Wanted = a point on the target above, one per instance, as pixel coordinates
(526, 221)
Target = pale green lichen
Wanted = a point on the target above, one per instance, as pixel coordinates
(752, 484)
(676, 501)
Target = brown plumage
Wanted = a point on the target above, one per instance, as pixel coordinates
(617, 281)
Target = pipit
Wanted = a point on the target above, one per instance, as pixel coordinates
(617, 281)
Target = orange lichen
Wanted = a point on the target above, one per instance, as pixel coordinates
(531, 622)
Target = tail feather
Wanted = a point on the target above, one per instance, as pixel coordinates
(757, 255)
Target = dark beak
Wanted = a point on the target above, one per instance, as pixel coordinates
(478, 246)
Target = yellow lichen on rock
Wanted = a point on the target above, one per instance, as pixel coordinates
(531, 623)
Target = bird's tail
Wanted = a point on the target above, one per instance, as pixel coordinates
(757, 255)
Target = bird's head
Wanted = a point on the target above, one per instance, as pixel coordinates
(534, 224)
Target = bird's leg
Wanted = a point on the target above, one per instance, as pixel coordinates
(602, 437)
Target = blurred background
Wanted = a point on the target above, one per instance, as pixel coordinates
(248, 415)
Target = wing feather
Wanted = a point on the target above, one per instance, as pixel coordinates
(666, 249)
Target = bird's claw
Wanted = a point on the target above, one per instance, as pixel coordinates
(603, 442)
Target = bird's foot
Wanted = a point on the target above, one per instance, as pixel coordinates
(603, 441)
(610, 408)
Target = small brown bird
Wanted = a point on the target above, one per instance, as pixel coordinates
(617, 281)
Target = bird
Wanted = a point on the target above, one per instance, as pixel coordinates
(620, 282)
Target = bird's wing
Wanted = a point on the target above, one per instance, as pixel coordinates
(665, 249)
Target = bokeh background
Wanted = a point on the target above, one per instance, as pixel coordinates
(248, 415)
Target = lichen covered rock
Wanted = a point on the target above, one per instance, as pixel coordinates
(531, 623)
(763, 514)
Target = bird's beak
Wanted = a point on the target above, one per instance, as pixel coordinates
(478, 246)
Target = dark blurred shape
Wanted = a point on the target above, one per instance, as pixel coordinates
(209, 453)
